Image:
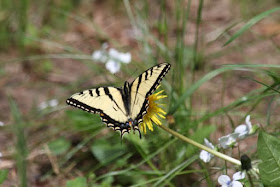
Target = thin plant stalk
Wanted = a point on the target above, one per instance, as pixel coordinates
(198, 21)
(200, 146)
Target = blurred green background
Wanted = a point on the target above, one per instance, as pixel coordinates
(225, 65)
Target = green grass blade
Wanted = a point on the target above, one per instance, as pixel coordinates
(198, 21)
(22, 15)
(250, 23)
(21, 148)
(120, 172)
(77, 182)
(189, 91)
(3, 175)
(233, 105)
(176, 170)
(269, 87)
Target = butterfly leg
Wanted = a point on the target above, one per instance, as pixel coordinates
(139, 133)
(137, 128)
(123, 132)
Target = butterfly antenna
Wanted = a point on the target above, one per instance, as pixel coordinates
(132, 73)
(118, 76)
(128, 78)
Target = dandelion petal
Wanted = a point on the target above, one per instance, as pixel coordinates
(150, 125)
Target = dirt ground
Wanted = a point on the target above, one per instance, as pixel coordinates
(22, 80)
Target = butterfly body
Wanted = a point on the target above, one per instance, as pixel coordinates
(122, 108)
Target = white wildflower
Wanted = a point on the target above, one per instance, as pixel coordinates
(238, 175)
(99, 55)
(111, 57)
(244, 129)
(244, 98)
(228, 140)
(121, 57)
(204, 155)
(225, 180)
(113, 66)
(125, 58)
(51, 103)
(1, 124)
(113, 53)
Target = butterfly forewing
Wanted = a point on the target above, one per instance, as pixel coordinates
(143, 86)
(103, 100)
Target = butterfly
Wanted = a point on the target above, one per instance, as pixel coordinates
(123, 108)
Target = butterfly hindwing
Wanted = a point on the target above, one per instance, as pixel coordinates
(143, 86)
(115, 125)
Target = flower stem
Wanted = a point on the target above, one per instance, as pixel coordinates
(216, 153)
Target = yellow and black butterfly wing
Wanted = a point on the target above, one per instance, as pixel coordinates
(143, 86)
(105, 101)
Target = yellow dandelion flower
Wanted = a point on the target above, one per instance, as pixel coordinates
(154, 112)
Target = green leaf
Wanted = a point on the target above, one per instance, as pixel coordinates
(106, 152)
(59, 146)
(269, 153)
(77, 182)
(172, 173)
(250, 23)
(3, 175)
(107, 182)
(84, 121)
(199, 136)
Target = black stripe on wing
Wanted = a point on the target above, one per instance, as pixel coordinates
(146, 75)
(107, 92)
(142, 112)
(83, 106)
(116, 125)
(159, 79)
